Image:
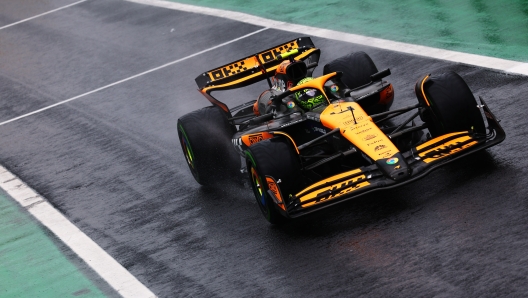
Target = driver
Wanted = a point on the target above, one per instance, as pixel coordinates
(307, 99)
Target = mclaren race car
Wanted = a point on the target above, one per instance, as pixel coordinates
(311, 142)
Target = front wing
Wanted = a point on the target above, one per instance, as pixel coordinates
(422, 160)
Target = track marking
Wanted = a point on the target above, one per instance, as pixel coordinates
(101, 262)
(133, 77)
(508, 66)
(42, 14)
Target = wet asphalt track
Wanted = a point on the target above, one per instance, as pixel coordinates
(111, 162)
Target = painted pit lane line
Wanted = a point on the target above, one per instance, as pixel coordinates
(133, 77)
(122, 281)
(509, 66)
(101, 262)
(42, 14)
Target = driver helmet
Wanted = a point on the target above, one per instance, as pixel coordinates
(308, 98)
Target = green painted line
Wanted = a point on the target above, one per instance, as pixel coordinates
(494, 28)
(31, 264)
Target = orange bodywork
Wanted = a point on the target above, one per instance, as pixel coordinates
(362, 132)
(343, 185)
(253, 63)
(248, 63)
(275, 189)
(387, 95)
(255, 108)
(451, 143)
(282, 67)
(253, 138)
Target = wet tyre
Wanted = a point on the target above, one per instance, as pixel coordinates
(449, 105)
(205, 137)
(357, 68)
(273, 158)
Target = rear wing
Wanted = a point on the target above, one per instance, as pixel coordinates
(253, 69)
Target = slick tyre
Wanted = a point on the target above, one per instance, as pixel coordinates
(357, 68)
(449, 105)
(273, 159)
(205, 137)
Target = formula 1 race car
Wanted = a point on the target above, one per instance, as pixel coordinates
(307, 143)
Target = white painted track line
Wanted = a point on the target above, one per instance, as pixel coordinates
(508, 66)
(102, 263)
(132, 77)
(42, 14)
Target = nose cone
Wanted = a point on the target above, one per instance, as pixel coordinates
(395, 168)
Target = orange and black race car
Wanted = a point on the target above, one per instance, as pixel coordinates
(307, 143)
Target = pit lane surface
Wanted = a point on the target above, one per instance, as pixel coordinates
(111, 162)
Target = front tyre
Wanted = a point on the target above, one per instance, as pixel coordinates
(205, 137)
(449, 105)
(273, 164)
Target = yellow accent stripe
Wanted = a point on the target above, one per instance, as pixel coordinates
(345, 190)
(333, 178)
(288, 136)
(423, 91)
(441, 148)
(437, 139)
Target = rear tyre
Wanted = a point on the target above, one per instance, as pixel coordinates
(449, 105)
(205, 137)
(357, 68)
(277, 159)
